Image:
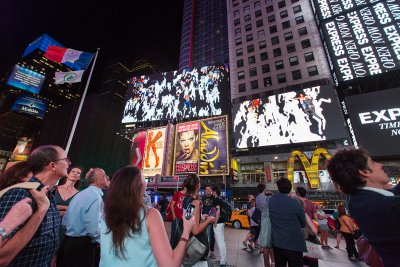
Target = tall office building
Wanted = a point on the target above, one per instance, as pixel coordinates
(274, 47)
(204, 34)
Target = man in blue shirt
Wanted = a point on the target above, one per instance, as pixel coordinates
(82, 222)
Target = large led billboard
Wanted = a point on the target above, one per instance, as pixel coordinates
(26, 79)
(375, 121)
(188, 93)
(201, 147)
(359, 42)
(31, 105)
(307, 115)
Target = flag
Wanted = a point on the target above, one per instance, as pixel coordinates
(69, 77)
(61, 55)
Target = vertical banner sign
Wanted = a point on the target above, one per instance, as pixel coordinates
(169, 150)
(235, 170)
(214, 157)
(137, 149)
(187, 148)
(268, 172)
(154, 151)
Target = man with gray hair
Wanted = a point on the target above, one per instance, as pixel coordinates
(82, 222)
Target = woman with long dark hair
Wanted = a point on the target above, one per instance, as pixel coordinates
(18, 173)
(347, 230)
(132, 234)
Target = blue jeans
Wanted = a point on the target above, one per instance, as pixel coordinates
(174, 224)
(211, 237)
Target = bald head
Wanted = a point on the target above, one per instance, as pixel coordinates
(93, 175)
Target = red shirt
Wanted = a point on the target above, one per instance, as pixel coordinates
(178, 197)
(310, 208)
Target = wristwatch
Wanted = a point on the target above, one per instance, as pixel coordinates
(3, 234)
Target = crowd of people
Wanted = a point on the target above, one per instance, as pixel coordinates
(46, 221)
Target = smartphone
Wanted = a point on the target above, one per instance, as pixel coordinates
(189, 211)
(212, 212)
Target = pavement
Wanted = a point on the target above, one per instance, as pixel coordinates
(238, 256)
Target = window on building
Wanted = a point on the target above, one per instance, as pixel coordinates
(281, 4)
(277, 52)
(258, 13)
(267, 81)
(238, 31)
(299, 20)
(262, 44)
(284, 14)
(264, 56)
(296, 74)
(236, 13)
(275, 40)
(239, 52)
(305, 43)
(254, 85)
(250, 48)
(291, 48)
(242, 87)
(268, 1)
(252, 60)
(237, 22)
(270, 9)
(288, 36)
(257, 4)
(294, 1)
(240, 75)
(240, 63)
(247, 18)
(282, 78)
(296, 9)
(265, 68)
(286, 24)
(293, 61)
(309, 56)
(279, 65)
(259, 23)
(249, 37)
(248, 27)
(246, 9)
(261, 34)
(242, 98)
(238, 41)
(253, 72)
(273, 29)
(271, 19)
(302, 31)
(312, 71)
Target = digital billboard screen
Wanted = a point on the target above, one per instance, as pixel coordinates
(26, 79)
(188, 93)
(30, 105)
(362, 42)
(154, 151)
(375, 120)
(307, 115)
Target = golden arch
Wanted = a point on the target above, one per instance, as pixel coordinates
(311, 169)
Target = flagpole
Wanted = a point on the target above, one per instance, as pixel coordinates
(71, 135)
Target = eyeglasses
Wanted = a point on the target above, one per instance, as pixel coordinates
(67, 159)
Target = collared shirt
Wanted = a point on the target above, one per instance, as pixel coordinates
(380, 191)
(84, 213)
(41, 248)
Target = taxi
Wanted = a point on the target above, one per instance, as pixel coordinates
(239, 219)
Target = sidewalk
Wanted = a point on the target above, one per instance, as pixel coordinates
(238, 256)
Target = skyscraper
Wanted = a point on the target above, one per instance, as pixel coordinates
(204, 34)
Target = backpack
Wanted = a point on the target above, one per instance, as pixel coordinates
(226, 211)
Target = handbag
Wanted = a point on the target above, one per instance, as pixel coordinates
(256, 217)
(368, 253)
(313, 251)
(337, 225)
(266, 228)
(310, 236)
(194, 252)
(357, 234)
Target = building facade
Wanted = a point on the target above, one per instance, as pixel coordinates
(274, 47)
(204, 38)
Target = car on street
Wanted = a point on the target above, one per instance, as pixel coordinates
(239, 219)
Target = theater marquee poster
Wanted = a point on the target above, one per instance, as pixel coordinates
(154, 151)
(187, 148)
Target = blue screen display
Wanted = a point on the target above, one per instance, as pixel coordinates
(26, 79)
(31, 105)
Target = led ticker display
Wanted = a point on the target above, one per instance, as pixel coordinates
(26, 79)
(308, 115)
(188, 93)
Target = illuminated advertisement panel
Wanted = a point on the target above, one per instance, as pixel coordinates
(26, 79)
(178, 94)
(31, 105)
(137, 149)
(154, 151)
(187, 148)
(307, 115)
(23, 148)
(375, 119)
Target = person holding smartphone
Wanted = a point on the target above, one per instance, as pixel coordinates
(207, 202)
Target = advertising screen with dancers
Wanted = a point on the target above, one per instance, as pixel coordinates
(187, 93)
(307, 115)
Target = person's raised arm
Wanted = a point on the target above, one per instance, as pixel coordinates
(163, 253)
(199, 227)
(18, 214)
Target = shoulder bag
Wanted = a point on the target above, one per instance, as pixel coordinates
(25, 185)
